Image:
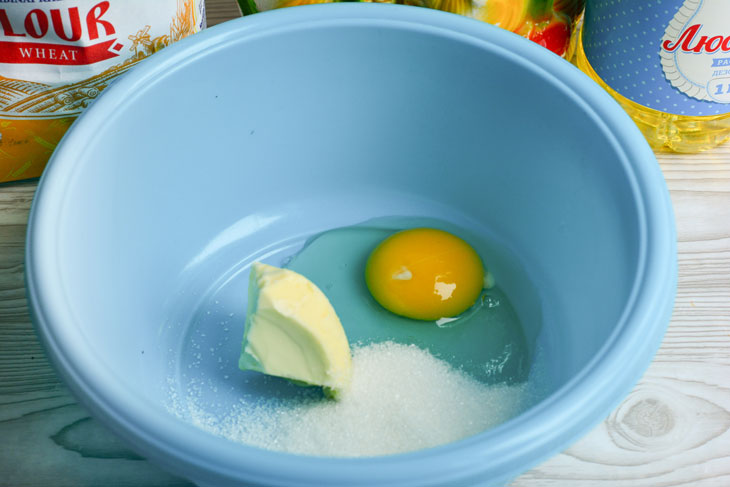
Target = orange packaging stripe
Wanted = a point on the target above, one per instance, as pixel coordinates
(26, 145)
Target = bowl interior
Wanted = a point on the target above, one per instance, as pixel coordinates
(246, 148)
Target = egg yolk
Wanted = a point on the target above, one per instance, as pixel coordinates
(424, 274)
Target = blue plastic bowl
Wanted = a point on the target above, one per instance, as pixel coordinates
(244, 140)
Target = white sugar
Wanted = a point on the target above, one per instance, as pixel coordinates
(402, 398)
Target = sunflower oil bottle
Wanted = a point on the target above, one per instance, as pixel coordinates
(667, 62)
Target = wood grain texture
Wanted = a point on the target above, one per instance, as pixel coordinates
(672, 430)
(218, 11)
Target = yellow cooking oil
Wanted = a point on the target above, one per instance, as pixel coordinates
(665, 131)
(676, 57)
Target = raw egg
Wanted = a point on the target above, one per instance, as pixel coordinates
(425, 274)
(487, 340)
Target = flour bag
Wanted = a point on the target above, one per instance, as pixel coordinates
(57, 56)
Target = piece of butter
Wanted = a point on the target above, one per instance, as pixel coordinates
(292, 331)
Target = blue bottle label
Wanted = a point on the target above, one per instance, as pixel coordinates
(668, 55)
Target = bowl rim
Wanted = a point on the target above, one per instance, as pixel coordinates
(496, 455)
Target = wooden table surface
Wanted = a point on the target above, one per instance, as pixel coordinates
(673, 429)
